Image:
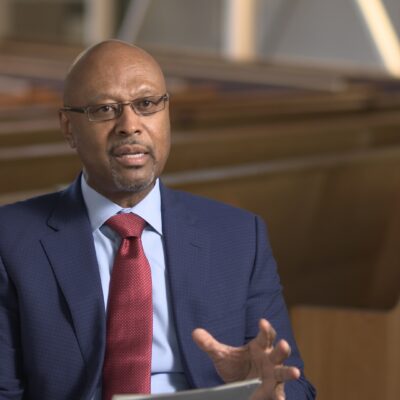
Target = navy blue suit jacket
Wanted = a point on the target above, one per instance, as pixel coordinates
(221, 273)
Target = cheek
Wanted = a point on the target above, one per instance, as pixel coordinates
(162, 146)
(162, 139)
(91, 146)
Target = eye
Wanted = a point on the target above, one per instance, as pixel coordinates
(145, 104)
(103, 112)
(104, 109)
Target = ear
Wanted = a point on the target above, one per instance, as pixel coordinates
(66, 128)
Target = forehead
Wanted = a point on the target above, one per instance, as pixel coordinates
(123, 83)
(117, 76)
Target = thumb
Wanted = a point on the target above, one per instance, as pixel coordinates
(206, 342)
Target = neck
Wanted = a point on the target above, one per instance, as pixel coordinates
(124, 198)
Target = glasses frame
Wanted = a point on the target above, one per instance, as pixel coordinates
(85, 110)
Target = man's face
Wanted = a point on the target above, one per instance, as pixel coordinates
(121, 157)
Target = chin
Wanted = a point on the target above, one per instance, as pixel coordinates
(125, 184)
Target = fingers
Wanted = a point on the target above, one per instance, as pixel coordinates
(284, 373)
(259, 394)
(280, 352)
(207, 342)
(261, 357)
(270, 390)
(279, 393)
(277, 356)
(266, 335)
(267, 392)
(231, 363)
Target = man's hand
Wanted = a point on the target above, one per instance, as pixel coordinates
(257, 359)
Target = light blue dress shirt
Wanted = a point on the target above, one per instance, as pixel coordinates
(166, 368)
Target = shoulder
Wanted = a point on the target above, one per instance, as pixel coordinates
(202, 204)
(211, 213)
(28, 211)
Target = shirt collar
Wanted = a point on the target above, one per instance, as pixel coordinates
(100, 209)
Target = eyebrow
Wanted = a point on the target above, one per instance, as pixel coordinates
(146, 91)
(101, 98)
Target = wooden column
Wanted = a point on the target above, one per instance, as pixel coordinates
(382, 32)
(239, 41)
(98, 21)
(5, 17)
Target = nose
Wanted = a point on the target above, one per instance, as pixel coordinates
(128, 122)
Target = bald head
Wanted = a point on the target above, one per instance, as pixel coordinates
(102, 62)
(122, 156)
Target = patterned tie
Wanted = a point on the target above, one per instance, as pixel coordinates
(127, 363)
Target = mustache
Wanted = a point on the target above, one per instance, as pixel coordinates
(131, 142)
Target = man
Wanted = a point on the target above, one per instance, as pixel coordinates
(213, 277)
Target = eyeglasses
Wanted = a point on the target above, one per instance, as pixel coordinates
(143, 106)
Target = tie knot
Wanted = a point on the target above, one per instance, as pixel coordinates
(127, 225)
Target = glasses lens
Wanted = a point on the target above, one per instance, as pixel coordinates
(149, 105)
(104, 112)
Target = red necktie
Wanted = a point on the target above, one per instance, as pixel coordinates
(127, 363)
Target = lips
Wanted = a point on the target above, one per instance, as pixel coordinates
(131, 155)
(129, 150)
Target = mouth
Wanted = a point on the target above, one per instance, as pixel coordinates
(131, 155)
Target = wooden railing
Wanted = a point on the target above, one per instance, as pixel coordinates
(318, 159)
(329, 219)
(350, 353)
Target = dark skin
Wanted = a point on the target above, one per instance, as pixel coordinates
(122, 159)
(259, 358)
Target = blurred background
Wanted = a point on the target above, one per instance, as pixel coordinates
(290, 109)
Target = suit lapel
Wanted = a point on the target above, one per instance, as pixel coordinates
(187, 254)
(70, 250)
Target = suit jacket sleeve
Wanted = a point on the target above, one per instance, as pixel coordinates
(10, 351)
(265, 299)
